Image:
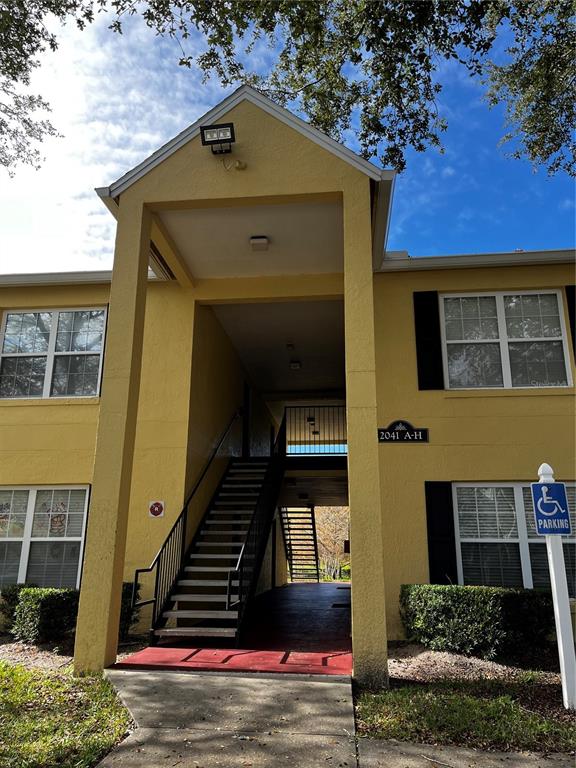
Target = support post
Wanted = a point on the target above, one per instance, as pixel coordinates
(369, 639)
(561, 600)
(101, 587)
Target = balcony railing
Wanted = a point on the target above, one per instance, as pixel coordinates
(316, 430)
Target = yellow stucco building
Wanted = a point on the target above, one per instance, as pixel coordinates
(256, 347)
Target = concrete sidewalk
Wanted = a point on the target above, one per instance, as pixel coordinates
(194, 720)
(389, 754)
(209, 720)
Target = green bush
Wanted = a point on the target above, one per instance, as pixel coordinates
(476, 621)
(43, 614)
(8, 601)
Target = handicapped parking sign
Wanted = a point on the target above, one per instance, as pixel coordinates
(551, 509)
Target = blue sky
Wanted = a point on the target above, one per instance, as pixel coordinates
(117, 99)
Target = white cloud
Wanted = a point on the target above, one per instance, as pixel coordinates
(567, 204)
(115, 99)
(448, 171)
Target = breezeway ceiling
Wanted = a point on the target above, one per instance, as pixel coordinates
(261, 332)
(304, 238)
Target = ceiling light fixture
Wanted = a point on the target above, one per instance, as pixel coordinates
(259, 243)
(218, 137)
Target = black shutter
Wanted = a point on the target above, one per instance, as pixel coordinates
(441, 536)
(571, 304)
(428, 340)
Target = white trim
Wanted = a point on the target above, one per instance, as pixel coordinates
(476, 260)
(51, 353)
(525, 561)
(56, 278)
(244, 93)
(503, 339)
(26, 539)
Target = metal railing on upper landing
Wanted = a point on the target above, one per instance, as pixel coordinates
(316, 430)
(168, 562)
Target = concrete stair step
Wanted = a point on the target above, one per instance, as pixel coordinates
(196, 632)
(200, 598)
(205, 582)
(200, 614)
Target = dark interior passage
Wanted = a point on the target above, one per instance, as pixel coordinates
(300, 617)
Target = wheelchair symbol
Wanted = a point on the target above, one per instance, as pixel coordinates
(545, 499)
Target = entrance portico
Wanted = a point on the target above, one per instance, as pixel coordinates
(324, 212)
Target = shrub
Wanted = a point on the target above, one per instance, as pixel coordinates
(476, 621)
(8, 602)
(44, 614)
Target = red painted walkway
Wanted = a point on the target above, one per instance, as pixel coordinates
(298, 629)
(239, 660)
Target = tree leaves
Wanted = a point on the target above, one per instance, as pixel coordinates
(374, 67)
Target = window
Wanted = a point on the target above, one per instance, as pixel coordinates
(51, 354)
(41, 535)
(504, 340)
(497, 543)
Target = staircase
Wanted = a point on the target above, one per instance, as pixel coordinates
(206, 598)
(299, 530)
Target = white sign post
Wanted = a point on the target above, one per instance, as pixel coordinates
(553, 521)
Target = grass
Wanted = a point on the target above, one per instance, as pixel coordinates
(53, 720)
(482, 714)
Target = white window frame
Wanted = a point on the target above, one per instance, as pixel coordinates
(27, 539)
(522, 539)
(51, 352)
(503, 339)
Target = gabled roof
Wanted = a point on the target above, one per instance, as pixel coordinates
(244, 93)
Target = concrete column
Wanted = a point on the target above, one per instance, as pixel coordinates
(99, 612)
(366, 546)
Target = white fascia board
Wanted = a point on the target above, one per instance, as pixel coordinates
(381, 225)
(244, 93)
(475, 260)
(57, 278)
(106, 197)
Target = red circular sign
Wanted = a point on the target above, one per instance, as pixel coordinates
(156, 508)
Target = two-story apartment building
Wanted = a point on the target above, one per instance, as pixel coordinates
(257, 347)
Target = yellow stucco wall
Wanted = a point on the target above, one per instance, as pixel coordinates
(474, 435)
(48, 441)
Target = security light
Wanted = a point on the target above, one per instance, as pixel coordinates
(259, 243)
(218, 137)
(310, 419)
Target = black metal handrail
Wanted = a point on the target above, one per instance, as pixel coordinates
(316, 430)
(170, 557)
(251, 554)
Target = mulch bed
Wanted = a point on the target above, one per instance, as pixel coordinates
(532, 679)
(54, 656)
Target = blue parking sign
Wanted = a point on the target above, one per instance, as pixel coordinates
(551, 509)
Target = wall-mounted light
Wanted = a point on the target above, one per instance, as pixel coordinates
(295, 365)
(259, 243)
(218, 137)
